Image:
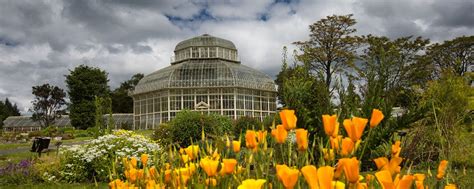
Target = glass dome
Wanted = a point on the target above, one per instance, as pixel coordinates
(205, 75)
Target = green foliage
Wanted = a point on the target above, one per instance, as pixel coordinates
(121, 101)
(102, 106)
(84, 84)
(7, 109)
(451, 56)
(162, 135)
(242, 124)
(48, 104)
(187, 127)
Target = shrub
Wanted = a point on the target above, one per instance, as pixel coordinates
(246, 123)
(90, 161)
(162, 135)
(17, 173)
(35, 134)
(82, 133)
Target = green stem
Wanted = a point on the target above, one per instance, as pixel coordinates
(365, 144)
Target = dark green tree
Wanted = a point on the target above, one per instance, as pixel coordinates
(121, 101)
(331, 47)
(48, 104)
(84, 85)
(452, 55)
(11, 109)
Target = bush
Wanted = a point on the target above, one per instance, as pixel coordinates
(17, 173)
(246, 123)
(82, 133)
(91, 161)
(35, 134)
(162, 135)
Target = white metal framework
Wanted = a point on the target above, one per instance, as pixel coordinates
(204, 76)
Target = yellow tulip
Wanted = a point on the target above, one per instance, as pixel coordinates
(347, 146)
(393, 166)
(396, 149)
(442, 169)
(211, 182)
(419, 179)
(302, 139)
(192, 151)
(337, 185)
(287, 176)
(351, 169)
(311, 176)
(450, 186)
(261, 136)
(185, 158)
(330, 124)
(144, 158)
(152, 172)
(236, 146)
(252, 184)
(133, 162)
(280, 134)
(251, 139)
(325, 176)
(328, 154)
(229, 165)
(140, 174)
(116, 184)
(335, 141)
(288, 119)
(209, 166)
(376, 118)
(133, 174)
(355, 127)
(385, 179)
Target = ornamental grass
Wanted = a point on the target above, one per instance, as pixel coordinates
(284, 159)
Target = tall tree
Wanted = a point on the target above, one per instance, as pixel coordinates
(48, 104)
(121, 101)
(84, 85)
(331, 47)
(11, 109)
(452, 55)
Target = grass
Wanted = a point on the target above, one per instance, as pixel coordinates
(57, 185)
(28, 144)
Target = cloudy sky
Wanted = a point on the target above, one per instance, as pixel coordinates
(41, 40)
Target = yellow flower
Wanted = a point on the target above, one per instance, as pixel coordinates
(236, 146)
(325, 176)
(393, 166)
(251, 139)
(287, 176)
(385, 179)
(152, 172)
(335, 141)
(351, 169)
(396, 149)
(133, 161)
(192, 151)
(450, 186)
(376, 118)
(288, 119)
(311, 176)
(347, 146)
(140, 174)
(116, 184)
(144, 158)
(185, 158)
(419, 179)
(331, 126)
(229, 165)
(302, 139)
(211, 182)
(442, 169)
(209, 166)
(252, 184)
(280, 134)
(355, 127)
(337, 185)
(328, 154)
(133, 174)
(261, 136)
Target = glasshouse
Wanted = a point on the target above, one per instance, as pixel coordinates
(205, 75)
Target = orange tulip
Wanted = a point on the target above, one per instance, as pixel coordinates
(209, 166)
(302, 139)
(251, 139)
(280, 134)
(335, 141)
(167, 176)
(393, 166)
(311, 176)
(185, 158)
(396, 149)
(140, 174)
(385, 179)
(192, 151)
(211, 182)
(144, 158)
(451, 186)
(133, 162)
(355, 127)
(351, 169)
(133, 174)
(419, 179)
(288, 119)
(328, 154)
(287, 176)
(236, 146)
(182, 176)
(229, 165)
(325, 176)
(252, 184)
(347, 146)
(152, 172)
(115, 184)
(376, 118)
(442, 169)
(261, 136)
(331, 126)
(339, 170)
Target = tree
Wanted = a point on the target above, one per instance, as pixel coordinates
(121, 101)
(453, 55)
(11, 109)
(84, 85)
(331, 48)
(48, 104)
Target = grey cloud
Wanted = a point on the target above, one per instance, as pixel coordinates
(454, 13)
